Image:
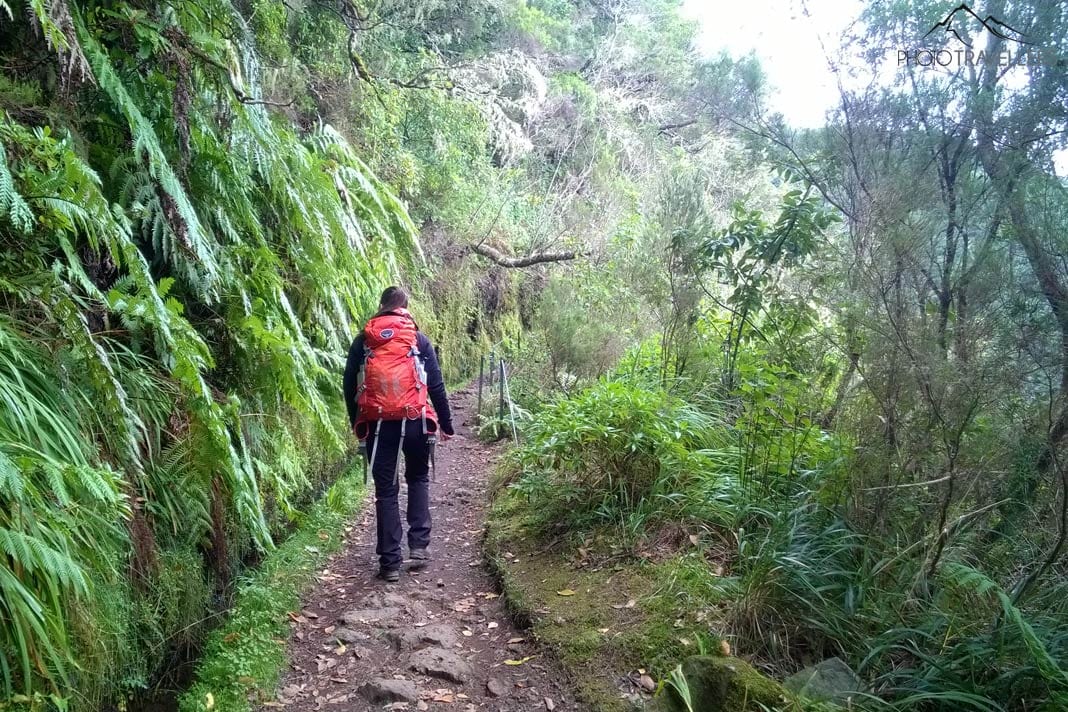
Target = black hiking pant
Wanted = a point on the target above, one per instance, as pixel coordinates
(416, 451)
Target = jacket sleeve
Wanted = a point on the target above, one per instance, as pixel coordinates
(352, 370)
(436, 384)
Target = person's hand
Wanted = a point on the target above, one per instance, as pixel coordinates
(445, 436)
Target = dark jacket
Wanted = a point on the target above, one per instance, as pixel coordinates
(435, 383)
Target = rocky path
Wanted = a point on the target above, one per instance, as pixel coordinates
(438, 640)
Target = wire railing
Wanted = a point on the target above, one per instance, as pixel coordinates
(497, 373)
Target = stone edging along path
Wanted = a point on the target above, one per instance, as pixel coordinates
(438, 640)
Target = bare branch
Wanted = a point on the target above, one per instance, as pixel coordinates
(520, 262)
(665, 128)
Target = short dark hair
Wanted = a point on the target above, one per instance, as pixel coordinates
(393, 298)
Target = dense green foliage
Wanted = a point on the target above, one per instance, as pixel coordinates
(851, 391)
(180, 273)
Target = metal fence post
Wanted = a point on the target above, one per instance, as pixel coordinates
(500, 414)
(481, 376)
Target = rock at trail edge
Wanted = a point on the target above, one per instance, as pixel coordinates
(727, 685)
(380, 691)
(440, 663)
(829, 681)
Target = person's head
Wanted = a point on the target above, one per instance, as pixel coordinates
(392, 299)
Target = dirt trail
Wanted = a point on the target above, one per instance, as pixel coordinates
(438, 640)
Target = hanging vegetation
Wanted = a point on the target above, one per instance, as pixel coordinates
(180, 266)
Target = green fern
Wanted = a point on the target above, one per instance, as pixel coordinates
(12, 205)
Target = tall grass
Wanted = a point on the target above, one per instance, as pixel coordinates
(61, 518)
(616, 456)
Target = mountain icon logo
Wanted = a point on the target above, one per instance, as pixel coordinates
(962, 15)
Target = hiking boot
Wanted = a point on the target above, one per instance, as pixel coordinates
(389, 575)
(420, 558)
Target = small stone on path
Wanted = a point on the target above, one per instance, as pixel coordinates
(439, 635)
(348, 635)
(496, 688)
(441, 663)
(370, 615)
(380, 691)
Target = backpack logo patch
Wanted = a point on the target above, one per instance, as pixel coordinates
(386, 333)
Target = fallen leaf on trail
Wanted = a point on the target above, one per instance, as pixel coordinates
(324, 536)
(329, 629)
(694, 539)
(443, 696)
(464, 605)
(679, 623)
(468, 633)
(603, 630)
(310, 614)
(492, 624)
(296, 617)
(724, 648)
(565, 592)
(513, 641)
(340, 649)
(209, 701)
(521, 661)
(647, 682)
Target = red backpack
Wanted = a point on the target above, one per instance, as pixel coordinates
(392, 382)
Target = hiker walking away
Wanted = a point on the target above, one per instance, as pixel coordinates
(397, 404)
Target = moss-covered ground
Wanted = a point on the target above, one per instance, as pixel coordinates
(609, 618)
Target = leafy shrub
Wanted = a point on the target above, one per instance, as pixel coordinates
(618, 455)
